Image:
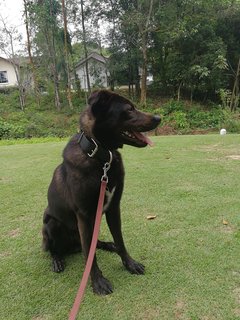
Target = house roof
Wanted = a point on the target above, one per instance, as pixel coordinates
(17, 60)
(5, 59)
(95, 56)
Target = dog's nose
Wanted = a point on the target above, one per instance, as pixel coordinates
(157, 119)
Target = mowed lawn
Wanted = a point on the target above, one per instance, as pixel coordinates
(191, 250)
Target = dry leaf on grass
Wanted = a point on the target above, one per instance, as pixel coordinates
(151, 217)
(225, 222)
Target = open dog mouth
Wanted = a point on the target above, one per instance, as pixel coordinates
(137, 139)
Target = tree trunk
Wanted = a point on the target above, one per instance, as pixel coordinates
(179, 92)
(21, 90)
(144, 30)
(56, 94)
(235, 92)
(29, 48)
(143, 99)
(191, 95)
(85, 48)
(66, 51)
(53, 68)
(52, 49)
(137, 80)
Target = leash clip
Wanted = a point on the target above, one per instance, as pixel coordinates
(106, 167)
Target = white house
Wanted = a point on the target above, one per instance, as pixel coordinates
(98, 74)
(7, 74)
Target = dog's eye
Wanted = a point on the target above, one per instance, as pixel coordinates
(130, 109)
(127, 111)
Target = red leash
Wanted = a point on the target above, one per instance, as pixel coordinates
(83, 284)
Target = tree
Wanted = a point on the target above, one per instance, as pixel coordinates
(29, 49)
(85, 46)
(135, 20)
(234, 103)
(228, 30)
(44, 19)
(9, 36)
(67, 56)
(190, 47)
(143, 21)
(188, 54)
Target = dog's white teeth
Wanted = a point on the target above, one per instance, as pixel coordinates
(128, 134)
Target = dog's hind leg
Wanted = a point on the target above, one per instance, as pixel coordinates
(54, 242)
(107, 246)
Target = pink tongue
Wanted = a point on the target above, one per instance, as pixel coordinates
(143, 138)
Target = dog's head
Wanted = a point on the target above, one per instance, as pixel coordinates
(114, 121)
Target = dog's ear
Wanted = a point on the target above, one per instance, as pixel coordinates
(99, 101)
(93, 98)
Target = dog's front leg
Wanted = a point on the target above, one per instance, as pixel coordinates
(114, 223)
(100, 284)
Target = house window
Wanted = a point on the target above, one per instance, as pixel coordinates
(3, 77)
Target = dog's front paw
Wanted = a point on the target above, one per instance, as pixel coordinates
(133, 266)
(102, 286)
(57, 265)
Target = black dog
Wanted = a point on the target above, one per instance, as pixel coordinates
(109, 122)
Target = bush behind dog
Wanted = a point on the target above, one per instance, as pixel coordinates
(178, 117)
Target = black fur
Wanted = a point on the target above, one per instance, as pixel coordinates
(74, 189)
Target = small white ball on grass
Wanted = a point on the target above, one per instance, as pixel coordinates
(223, 132)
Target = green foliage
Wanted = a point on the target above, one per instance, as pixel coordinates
(38, 124)
(232, 123)
(173, 106)
(185, 118)
(192, 47)
(38, 121)
(181, 116)
(206, 119)
(225, 97)
(179, 120)
(9, 100)
(8, 130)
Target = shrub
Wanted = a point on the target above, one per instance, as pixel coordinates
(178, 119)
(232, 123)
(173, 106)
(5, 129)
(8, 130)
(206, 119)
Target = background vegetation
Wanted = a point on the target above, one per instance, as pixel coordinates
(178, 117)
(178, 58)
(190, 49)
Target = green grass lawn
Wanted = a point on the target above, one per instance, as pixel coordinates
(190, 250)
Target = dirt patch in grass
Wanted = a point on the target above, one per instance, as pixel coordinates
(236, 293)
(180, 309)
(237, 312)
(234, 157)
(165, 131)
(5, 254)
(14, 233)
(150, 314)
(227, 229)
(214, 147)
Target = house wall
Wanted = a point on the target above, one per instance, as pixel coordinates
(11, 76)
(97, 74)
